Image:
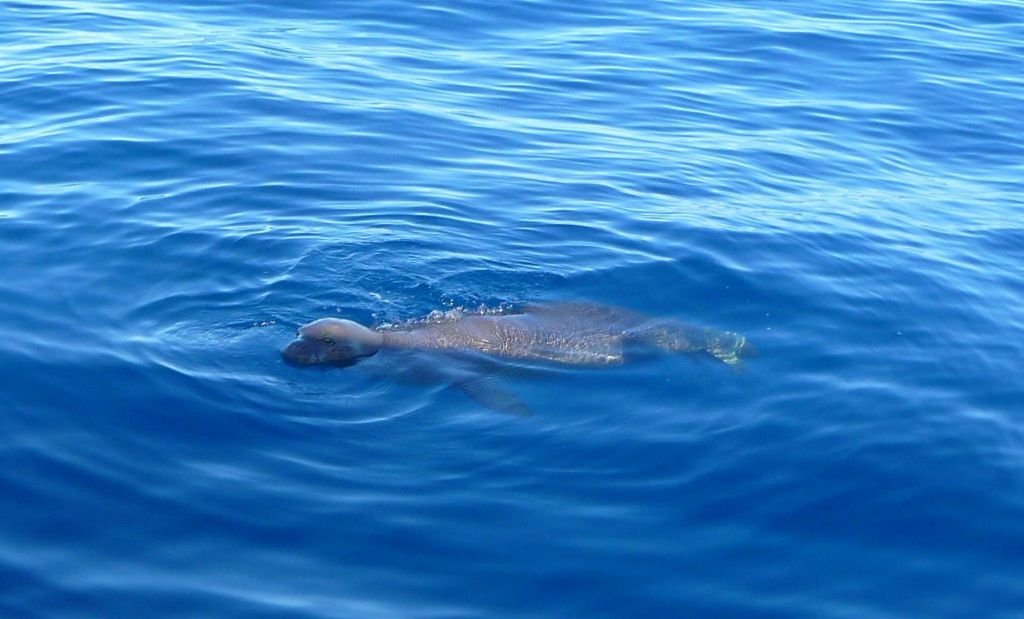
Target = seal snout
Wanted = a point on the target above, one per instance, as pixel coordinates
(299, 352)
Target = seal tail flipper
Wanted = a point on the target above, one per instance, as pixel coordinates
(728, 347)
(489, 393)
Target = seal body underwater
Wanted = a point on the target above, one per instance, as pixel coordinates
(469, 345)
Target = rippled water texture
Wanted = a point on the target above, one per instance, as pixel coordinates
(184, 183)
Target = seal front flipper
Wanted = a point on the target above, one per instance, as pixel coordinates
(487, 391)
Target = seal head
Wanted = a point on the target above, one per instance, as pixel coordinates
(332, 341)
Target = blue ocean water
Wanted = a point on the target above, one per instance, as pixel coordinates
(183, 183)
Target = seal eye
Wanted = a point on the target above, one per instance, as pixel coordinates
(328, 341)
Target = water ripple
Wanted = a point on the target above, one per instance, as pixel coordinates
(183, 184)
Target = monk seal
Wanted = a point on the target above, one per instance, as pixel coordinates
(574, 333)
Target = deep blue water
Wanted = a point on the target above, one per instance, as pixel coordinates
(183, 183)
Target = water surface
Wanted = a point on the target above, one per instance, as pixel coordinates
(184, 183)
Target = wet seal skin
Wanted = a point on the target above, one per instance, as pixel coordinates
(573, 333)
